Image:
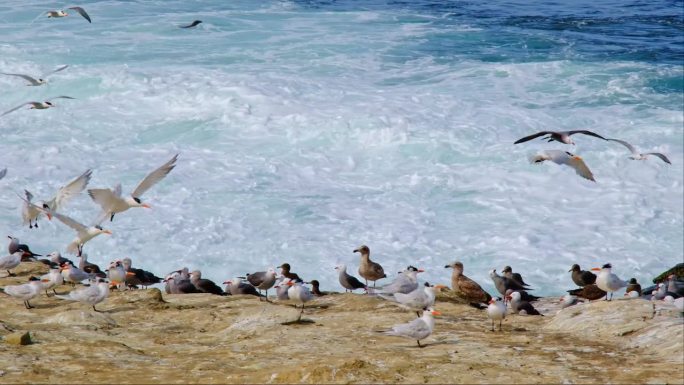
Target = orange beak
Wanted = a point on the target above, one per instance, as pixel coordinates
(130, 273)
(421, 270)
(45, 280)
(440, 287)
(596, 269)
(290, 283)
(435, 312)
(49, 216)
(145, 205)
(577, 157)
(107, 232)
(227, 282)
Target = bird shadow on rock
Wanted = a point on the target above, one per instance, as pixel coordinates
(303, 321)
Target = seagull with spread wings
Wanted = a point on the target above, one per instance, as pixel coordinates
(559, 136)
(62, 13)
(566, 158)
(636, 155)
(38, 105)
(36, 81)
(112, 202)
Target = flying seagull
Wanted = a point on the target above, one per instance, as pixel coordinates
(38, 105)
(559, 136)
(566, 158)
(62, 13)
(636, 155)
(112, 202)
(191, 25)
(36, 81)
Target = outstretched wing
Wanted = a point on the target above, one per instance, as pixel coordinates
(629, 146)
(34, 82)
(155, 176)
(55, 70)
(15, 108)
(585, 132)
(104, 197)
(82, 12)
(70, 222)
(62, 97)
(538, 134)
(70, 190)
(659, 155)
(581, 168)
(3, 172)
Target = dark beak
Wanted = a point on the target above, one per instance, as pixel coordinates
(355, 251)
(447, 266)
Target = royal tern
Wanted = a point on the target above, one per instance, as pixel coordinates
(405, 282)
(417, 300)
(73, 274)
(26, 291)
(31, 212)
(581, 277)
(607, 281)
(263, 280)
(191, 25)
(52, 279)
(286, 271)
(117, 273)
(83, 233)
(496, 311)
(369, 270)
(91, 295)
(11, 261)
(565, 158)
(636, 155)
(466, 287)
(559, 136)
(36, 81)
(519, 306)
(205, 285)
(349, 282)
(418, 329)
(62, 13)
(508, 273)
(112, 202)
(237, 286)
(38, 105)
(300, 294)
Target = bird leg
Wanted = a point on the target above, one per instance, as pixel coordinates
(300, 313)
(111, 218)
(96, 309)
(492, 325)
(500, 321)
(419, 345)
(10, 274)
(418, 313)
(28, 305)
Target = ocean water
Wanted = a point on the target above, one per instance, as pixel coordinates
(308, 128)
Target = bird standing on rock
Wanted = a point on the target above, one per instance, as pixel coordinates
(581, 277)
(369, 270)
(205, 285)
(285, 271)
(263, 280)
(418, 329)
(26, 291)
(349, 282)
(496, 311)
(607, 281)
(466, 287)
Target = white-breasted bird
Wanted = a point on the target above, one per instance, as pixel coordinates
(636, 155)
(51, 280)
(91, 295)
(496, 311)
(73, 274)
(417, 300)
(112, 202)
(299, 293)
(565, 158)
(11, 261)
(83, 233)
(607, 281)
(38, 105)
(25, 291)
(418, 329)
(62, 13)
(39, 81)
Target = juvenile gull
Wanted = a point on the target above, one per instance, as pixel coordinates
(62, 13)
(590, 292)
(315, 288)
(38, 105)
(558, 136)
(466, 287)
(26, 291)
(83, 233)
(504, 284)
(369, 270)
(111, 201)
(285, 271)
(349, 282)
(607, 281)
(36, 81)
(633, 286)
(581, 277)
(565, 158)
(31, 212)
(418, 329)
(636, 155)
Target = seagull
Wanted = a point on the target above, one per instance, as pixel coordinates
(349, 282)
(38, 105)
(237, 286)
(3, 172)
(91, 295)
(36, 81)
(83, 233)
(559, 136)
(503, 284)
(26, 291)
(285, 271)
(518, 305)
(31, 212)
(466, 287)
(112, 202)
(263, 280)
(62, 13)
(418, 329)
(566, 158)
(636, 155)
(508, 273)
(191, 25)
(607, 281)
(205, 285)
(633, 286)
(496, 311)
(369, 270)
(299, 293)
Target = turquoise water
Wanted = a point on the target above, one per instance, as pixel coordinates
(307, 128)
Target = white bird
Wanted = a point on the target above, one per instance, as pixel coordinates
(62, 13)
(496, 311)
(418, 329)
(406, 282)
(3, 172)
(112, 202)
(83, 233)
(299, 293)
(38, 105)
(569, 300)
(31, 212)
(417, 300)
(607, 281)
(11, 261)
(36, 81)
(51, 280)
(349, 282)
(26, 291)
(73, 274)
(565, 158)
(636, 155)
(91, 295)
(117, 273)
(282, 288)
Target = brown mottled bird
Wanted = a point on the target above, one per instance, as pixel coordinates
(466, 287)
(369, 270)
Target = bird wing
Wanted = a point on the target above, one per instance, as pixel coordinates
(155, 176)
(470, 287)
(55, 70)
(581, 168)
(33, 81)
(18, 290)
(629, 146)
(3, 172)
(104, 197)
(82, 12)
(62, 97)
(530, 137)
(29, 196)
(16, 108)
(70, 222)
(70, 190)
(659, 155)
(414, 329)
(585, 132)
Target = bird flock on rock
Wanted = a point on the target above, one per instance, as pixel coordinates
(405, 290)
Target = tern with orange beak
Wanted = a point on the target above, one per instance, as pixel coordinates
(565, 158)
(11, 261)
(300, 294)
(91, 295)
(406, 282)
(83, 233)
(496, 311)
(44, 105)
(418, 329)
(62, 13)
(113, 203)
(26, 291)
(417, 300)
(607, 281)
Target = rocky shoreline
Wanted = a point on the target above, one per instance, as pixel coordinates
(142, 336)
